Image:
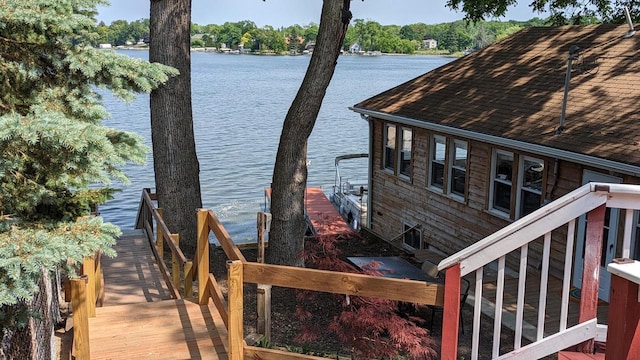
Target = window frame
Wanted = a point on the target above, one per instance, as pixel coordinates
(522, 188)
(518, 160)
(386, 147)
(402, 151)
(393, 153)
(434, 141)
(406, 228)
(502, 212)
(453, 166)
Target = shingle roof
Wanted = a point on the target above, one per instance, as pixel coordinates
(514, 89)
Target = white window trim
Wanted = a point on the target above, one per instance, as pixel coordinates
(432, 151)
(413, 227)
(494, 159)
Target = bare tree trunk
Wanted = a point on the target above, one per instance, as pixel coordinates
(290, 171)
(177, 172)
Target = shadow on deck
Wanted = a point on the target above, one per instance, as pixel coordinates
(140, 318)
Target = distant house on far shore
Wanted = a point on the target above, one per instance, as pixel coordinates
(429, 43)
(354, 48)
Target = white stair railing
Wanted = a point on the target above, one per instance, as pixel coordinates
(528, 242)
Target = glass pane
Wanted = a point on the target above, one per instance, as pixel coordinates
(504, 166)
(390, 148)
(389, 158)
(439, 149)
(460, 153)
(530, 202)
(412, 237)
(391, 136)
(405, 155)
(458, 181)
(405, 163)
(437, 174)
(501, 196)
(406, 140)
(532, 175)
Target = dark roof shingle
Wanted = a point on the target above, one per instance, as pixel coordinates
(514, 89)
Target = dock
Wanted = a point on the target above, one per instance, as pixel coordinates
(322, 216)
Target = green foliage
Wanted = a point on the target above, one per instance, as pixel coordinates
(56, 157)
(26, 251)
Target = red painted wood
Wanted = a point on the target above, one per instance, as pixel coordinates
(623, 333)
(591, 270)
(451, 314)
(571, 355)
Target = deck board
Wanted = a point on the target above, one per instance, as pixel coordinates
(324, 217)
(140, 320)
(133, 275)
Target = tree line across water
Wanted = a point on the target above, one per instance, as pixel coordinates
(370, 35)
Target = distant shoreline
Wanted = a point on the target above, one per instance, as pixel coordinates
(216, 51)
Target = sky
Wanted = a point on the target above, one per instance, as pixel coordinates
(279, 13)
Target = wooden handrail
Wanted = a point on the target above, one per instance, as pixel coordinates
(79, 304)
(242, 271)
(147, 214)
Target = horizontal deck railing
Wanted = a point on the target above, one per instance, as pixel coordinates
(241, 271)
(552, 226)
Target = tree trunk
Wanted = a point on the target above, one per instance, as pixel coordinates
(177, 172)
(290, 170)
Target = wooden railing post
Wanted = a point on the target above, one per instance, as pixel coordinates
(236, 322)
(623, 337)
(89, 269)
(175, 264)
(451, 314)
(79, 299)
(591, 271)
(203, 256)
(159, 236)
(188, 279)
(263, 325)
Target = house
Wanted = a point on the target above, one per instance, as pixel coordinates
(354, 48)
(466, 149)
(429, 43)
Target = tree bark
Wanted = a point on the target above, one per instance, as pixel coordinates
(177, 172)
(290, 171)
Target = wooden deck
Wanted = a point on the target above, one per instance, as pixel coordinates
(141, 320)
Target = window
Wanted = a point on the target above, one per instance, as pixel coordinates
(390, 147)
(405, 152)
(412, 237)
(398, 162)
(502, 175)
(438, 153)
(458, 174)
(516, 191)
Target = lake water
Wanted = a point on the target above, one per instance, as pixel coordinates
(239, 105)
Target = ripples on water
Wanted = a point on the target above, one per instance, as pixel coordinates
(239, 105)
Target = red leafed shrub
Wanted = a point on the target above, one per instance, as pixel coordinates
(372, 327)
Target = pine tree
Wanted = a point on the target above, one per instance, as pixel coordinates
(56, 156)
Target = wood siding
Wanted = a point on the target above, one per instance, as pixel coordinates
(448, 223)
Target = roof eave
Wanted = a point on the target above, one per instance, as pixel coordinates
(510, 143)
